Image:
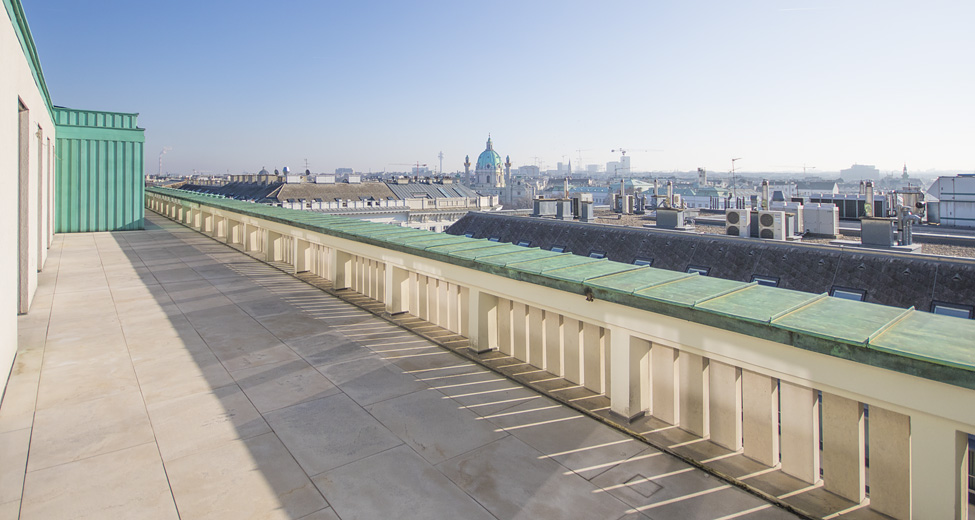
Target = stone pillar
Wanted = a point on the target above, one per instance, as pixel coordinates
(343, 269)
(939, 469)
(424, 304)
(572, 350)
(302, 256)
(519, 327)
(725, 409)
(443, 311)
(414, 301)
(592, 367)
(693, 395)
(664, 378)
(399, 290)
(890, 463)
(536, 337)
(760, 407)
(630, 358)
(553, 343)
(452, 304)
(844, 471)
(433, 301)
(464, 306)
(505, 332)
(382, 287)
(483, 321)
(800, 431)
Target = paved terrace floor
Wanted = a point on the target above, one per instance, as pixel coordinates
(162, 374)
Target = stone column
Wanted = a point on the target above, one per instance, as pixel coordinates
(800, 431)
(629, 357)
(536, 337)
(693, 396)
(483, 321)
(519, 321)
(725, 409)
(664, 378)
(505, 332)
(399, 290)
(343, 269)
(421, 289)
(760, 407)
(572, 349)
(443, 304)
(844, 471)
(592, 367)
(890, 463)
(553, 343)
(939, 469)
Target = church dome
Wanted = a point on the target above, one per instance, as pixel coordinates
(489, 159)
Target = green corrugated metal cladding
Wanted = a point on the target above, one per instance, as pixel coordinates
(99, 175)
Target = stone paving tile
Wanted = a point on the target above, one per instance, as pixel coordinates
(577, 442)
(396, 483)
(89, 488)
(200, 421)
(370, 379)
(513, 480)
(178, 373)
(10, 510)
(250, 478)
(279, 385)
(323, 514)
(91, 378)
(70, 432)
(330, 432)
(433, 425)
(328, 348)
(13, 453)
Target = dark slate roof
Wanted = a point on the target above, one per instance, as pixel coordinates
(330, 192)
(896, 279)
(433, 191)
(237, 190)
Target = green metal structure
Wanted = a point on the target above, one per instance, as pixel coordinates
(100, 161)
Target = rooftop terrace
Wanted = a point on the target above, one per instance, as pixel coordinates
(162, 374)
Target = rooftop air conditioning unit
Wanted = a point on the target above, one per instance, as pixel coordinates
(771, 225)
(737, 222)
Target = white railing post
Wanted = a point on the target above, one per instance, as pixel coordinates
(694, 385)
(890, 462)
(844, 469)
(664, 379)
(760, 407)
(725, 409)
(800, 431)
(483, 308)
(939, 469)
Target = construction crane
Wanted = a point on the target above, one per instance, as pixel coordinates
(623, 151)
(579, 151)
(416, 165)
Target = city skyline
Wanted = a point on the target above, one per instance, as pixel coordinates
(379, 87)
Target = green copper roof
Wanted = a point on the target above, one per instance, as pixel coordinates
(489, 159)
(918, 343)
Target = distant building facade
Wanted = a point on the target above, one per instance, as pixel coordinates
(860, 172)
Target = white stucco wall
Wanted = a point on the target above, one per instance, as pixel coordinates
(17, 84)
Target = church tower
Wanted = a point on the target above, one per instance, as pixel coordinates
(488, 170)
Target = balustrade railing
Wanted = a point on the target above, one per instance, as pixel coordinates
(786, 378)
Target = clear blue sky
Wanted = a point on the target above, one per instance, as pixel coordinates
(237, 85)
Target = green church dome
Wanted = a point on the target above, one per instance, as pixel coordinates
(489, 159)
